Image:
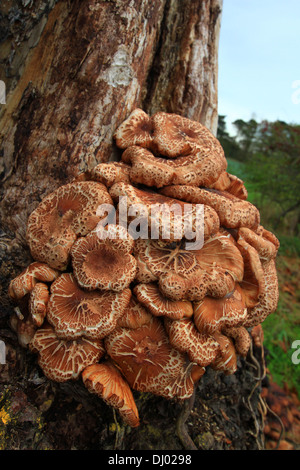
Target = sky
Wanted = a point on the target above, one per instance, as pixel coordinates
(259, 61)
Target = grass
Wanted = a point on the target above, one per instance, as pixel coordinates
(281, 328)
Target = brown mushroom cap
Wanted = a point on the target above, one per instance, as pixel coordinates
(38, 301)
(158, 171)
(232, 211)
(211, 315)
(107, 173)
(106, 381)
(183, 335)
(63, 216)
(25, 282)
(151, 297)
(63, 360)
(74, 312)
(103, 260)
(265, 247)
(226, 360)
(175, 135)
(187, 274)
(231, 184)
(137, 129)
(25, 328)
(241, 338)
(134, 316)
(160, 212)
(268, 299)
(253, 283)
(149, 362)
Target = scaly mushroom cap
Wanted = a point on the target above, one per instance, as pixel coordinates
(63, 360)
(106, 381)
(103, 259)
(74, 312)
(187, 274)
(167, 218)
(232, 211)
(135, 315)
(268, 299)
(266, 248)
(175, 135)
(38, 301)
(137, 129)
(158, 171)
(107, 173)
(211, 315)
(253, 283)
(149, 362)
(231, 184)
(226, 360)
(183, 335)
(241, 338)
(150, 296)
(25, 282)
(62, 217)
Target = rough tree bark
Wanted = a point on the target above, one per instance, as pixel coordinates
(74, 70)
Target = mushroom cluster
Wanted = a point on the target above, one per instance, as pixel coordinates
(147, 313)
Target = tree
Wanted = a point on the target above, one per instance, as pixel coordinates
(74, 71)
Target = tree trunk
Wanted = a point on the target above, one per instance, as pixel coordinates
(74, 70)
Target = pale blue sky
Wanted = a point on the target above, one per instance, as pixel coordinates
(259, 60)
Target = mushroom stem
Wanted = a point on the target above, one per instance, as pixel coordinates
(181, 427)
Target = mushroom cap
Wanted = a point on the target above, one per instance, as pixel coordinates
(268, 299)
(190, 274)
(231, 184)
(175, 135)
(134, 316)
(38, 301)
(103, 260)
(63, 360)
(226, 360)
(107, 173)
(25, 282)
(137, 129)
(241, 338)
(149, 362)
(167, 218)
(63, 216)
(211, 314)
(74, 312)
(150, 296)
(253, 283)
(183, 335)
(157, 172)
(106, 381)
(232, 211)
(264, 246)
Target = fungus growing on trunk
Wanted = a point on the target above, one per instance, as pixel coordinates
(62, 360)
(74, 312)
(63, 216)
(104, 262)
(146, 311)
(106, 381)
